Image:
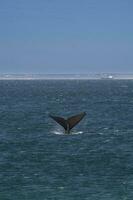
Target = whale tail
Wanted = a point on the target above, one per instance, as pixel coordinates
(70, 122)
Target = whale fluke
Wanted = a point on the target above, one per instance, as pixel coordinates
(70, 122)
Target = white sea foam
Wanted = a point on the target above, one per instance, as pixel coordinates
(77, 133)
(59, 132)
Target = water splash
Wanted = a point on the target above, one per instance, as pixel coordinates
(59, 132)
(77, 132)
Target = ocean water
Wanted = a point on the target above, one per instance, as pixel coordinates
(39, 162)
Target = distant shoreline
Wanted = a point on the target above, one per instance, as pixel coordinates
(102, 76)
(30, 79)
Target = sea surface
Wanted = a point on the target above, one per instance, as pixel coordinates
(39, 162)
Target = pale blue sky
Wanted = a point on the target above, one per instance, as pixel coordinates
(66, 36)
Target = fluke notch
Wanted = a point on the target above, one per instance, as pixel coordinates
(70, 122)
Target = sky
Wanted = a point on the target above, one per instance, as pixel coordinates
(66, 36)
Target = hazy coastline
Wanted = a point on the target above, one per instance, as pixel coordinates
(102, 76)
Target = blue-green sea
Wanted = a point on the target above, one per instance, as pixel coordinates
(39, 162)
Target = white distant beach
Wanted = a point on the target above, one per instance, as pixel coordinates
(100, 76)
